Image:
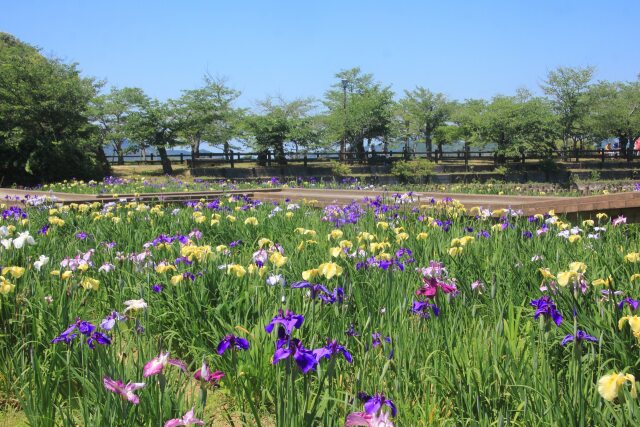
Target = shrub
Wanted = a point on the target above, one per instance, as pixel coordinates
(340, 169)
(413, 170)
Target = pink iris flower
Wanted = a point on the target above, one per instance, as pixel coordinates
(369, 420)
(157, 364)
(127, 391)
(187, 420)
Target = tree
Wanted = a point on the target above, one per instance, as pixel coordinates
(469, 118)
(615, 112)
(279, 122)
(45, 134)
(426, 111)
(567, 88)
(156, 124)
(110, 113)
(359, 109)
(207, 112)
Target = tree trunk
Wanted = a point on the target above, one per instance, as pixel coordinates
(428, 142)
(102, 160)
(195, 146)
(225, 149)
(279, 154)
(166, 162)
(118, 149)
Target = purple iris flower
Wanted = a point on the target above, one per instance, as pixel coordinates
(288, 319)
(422, 308)
(66, 336)
(375, 402)
(377, 340)
(330, 349)
(235, 243)
(351, 332)
(483, 233)
(321, 292)
(633, 304)
(85, 328)
(99, 338)
(44, 229)
(157, 288)
(81, 235)
(547, 307)
(110, 321)
(304, 358)
(580, 336)
(527, 234)
(233, 342)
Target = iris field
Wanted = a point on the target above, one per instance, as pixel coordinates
(379, 313)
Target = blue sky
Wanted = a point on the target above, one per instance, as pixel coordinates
(465, 49)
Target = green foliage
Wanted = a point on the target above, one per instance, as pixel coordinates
(340, 169)
(44, 130)
(418, 170)
(484, 358)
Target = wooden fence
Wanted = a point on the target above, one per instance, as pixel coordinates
(267, 158)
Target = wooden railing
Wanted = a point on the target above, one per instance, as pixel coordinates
(268, 158)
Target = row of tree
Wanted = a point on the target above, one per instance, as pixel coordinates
(48, 112)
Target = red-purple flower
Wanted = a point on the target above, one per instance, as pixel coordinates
(126, 391)
(204, 374)
(431, 286)
(288, 319)
(157, 364)
(233, 342)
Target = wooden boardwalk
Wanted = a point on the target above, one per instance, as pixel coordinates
(627, 204)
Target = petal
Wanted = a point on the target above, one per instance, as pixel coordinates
(280, 354)
(357, 419)
(175, 422)
(179, 363)
(372, 406)
(153, 367)
(223, 346)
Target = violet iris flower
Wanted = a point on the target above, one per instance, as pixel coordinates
(547, 307)
(375, 402)
(110, 321)
(288, 319)
(304, 358)
(85, 328)
(233, 342)
(157, 364)
(580, 336)
(330, 349)
(321, 292)
(127, 391)
(633, 304)
(422, 308)
(351, 332)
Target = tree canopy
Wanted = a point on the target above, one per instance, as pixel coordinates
(45, 132)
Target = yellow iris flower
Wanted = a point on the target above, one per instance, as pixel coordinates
(609, 385)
